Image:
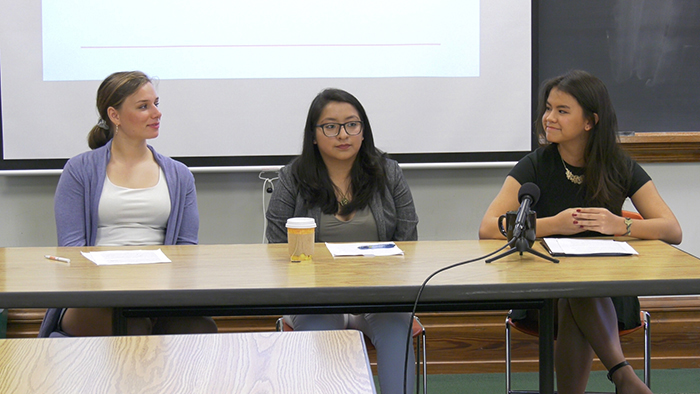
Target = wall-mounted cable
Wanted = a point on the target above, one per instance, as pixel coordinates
(268, 188)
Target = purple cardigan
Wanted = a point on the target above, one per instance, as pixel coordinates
(78, 197)
(80, 187)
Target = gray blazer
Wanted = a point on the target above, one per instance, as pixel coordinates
(392, 208)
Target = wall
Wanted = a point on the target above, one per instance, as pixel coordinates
(450, 204)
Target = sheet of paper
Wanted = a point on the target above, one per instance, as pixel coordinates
(587, 247)
(364, 249)
(120, 257)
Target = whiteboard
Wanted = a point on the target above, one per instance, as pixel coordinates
(441, 81)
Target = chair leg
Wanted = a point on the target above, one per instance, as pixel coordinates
(508, 356)
(647, 348)
(425, 364)
(421, 358)
(279, 324)
(418, 364)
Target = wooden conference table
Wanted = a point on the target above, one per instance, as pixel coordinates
(225, 363)
(259, 279)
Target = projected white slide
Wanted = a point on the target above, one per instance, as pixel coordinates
(236, 78)
(221, 39)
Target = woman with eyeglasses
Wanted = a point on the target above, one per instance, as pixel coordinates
(355, 194)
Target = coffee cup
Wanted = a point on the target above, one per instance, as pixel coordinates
(300, 238)
(530, 225)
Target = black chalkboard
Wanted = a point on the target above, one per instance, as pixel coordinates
(646, 52)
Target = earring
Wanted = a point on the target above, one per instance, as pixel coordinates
(116, 130)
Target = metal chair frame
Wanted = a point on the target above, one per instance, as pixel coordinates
(645, 324)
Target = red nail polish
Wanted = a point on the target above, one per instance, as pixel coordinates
(575, 222)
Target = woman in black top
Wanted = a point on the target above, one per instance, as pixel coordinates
(584, 177)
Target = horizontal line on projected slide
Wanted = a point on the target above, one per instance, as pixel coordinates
(254, 46)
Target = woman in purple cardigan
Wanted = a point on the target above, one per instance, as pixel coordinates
(124, 193)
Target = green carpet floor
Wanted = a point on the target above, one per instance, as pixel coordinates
(663, 381)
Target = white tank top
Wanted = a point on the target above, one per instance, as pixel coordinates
(133, 216)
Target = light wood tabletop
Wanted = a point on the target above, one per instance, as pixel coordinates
(214, 363)
(259, 274)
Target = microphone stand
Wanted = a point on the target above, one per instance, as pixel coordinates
(521, 244)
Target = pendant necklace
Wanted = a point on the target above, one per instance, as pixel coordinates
(577, 179)
(344, 200)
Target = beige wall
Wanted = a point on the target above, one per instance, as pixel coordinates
(450, 204)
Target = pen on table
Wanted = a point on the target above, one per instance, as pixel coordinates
(56, 258)
(377, 246)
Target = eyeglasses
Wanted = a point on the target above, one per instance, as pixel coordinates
(353, 127)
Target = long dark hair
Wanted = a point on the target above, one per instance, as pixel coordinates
(310, 172)
(112, 93)
(607, 167)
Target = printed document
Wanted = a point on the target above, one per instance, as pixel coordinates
(587, 247)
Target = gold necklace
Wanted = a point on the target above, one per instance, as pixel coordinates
(344, 200)
(577, 179)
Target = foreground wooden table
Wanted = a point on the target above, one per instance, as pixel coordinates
(294, 362)
(259, 279)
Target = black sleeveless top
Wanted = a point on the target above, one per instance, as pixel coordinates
(544, 168)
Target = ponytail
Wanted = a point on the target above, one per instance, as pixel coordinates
(98, 137)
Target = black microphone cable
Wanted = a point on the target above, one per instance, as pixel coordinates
(409, 336)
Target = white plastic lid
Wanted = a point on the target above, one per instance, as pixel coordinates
(301, 223)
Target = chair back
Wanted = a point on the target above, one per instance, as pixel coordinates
(631, 215)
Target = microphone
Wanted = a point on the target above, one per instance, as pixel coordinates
(523, 237)
(527, 196)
